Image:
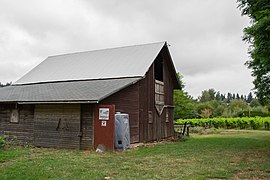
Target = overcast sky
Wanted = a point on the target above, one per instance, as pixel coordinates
(205, 35)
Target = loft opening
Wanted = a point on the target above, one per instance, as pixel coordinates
(158, 64)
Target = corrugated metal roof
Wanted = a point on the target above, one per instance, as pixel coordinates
(127, 61)
(90, 90)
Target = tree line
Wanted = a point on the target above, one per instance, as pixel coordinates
(212, 103)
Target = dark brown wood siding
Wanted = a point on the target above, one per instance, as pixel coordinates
(23, 130)
(168, 76)
(146, 99)
(87, 125)
(57, 125)
(127, 101)
(158, 127)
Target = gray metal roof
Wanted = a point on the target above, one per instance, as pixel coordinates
(74, 91)
(127, 61)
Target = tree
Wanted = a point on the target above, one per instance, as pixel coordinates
(207, 95)
(249, 98)
(185, 106)
(206, 113)
(258, 36)
(254, 103)
(237, 107)
(229, 97)
(223, 97)
(237, 96)
(218, 97)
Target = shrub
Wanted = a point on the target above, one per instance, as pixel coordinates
(229, 123)
(2, 142)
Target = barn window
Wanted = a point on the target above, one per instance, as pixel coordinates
(14, 117)
(158, 64)
(159, 96)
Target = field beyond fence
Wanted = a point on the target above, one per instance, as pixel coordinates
(229, 123)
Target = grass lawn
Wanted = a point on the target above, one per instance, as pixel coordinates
(230, 154)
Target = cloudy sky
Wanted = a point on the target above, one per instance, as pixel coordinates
(205, 35)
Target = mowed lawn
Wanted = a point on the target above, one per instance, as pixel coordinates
(228, 155)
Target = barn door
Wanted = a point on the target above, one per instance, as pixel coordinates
(159, 105)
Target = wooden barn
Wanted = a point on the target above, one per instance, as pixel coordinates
(55, 104)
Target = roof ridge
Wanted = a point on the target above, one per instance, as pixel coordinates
(107, 49)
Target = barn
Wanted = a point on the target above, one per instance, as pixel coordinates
(56, 103)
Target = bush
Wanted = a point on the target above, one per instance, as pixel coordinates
(229, 123)
(2, 142)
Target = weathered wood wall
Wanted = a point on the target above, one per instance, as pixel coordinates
(146, 106)
(23, 130)
(152, 125)
(127, 101)
(87, 126)
(57, 125)
(168, 83)
(50, 125)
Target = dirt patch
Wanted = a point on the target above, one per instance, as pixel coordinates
(252, 174)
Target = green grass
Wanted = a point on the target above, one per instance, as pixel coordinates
(231, 154)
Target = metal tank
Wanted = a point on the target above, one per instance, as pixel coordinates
(122, 132)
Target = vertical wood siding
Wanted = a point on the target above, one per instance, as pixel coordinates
(127, 101)
(158, 128)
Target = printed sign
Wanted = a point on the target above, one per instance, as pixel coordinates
(104, 113)
(103, 123)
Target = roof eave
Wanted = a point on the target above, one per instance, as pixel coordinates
(60, 102)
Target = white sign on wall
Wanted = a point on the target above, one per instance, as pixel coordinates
(104, 113)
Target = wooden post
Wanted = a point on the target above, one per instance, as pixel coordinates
(185, 125)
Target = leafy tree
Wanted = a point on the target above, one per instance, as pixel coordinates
(206, 113)
(254, 103)
(202, 106)
(218, 97)
(258, 36)
(207, 95)
(219, 110)
(238, 103)
(185, 106)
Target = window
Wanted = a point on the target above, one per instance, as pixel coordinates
(158, 65)
(14, 117)
(159, 96)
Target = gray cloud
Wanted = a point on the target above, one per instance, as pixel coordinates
(205, 36)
